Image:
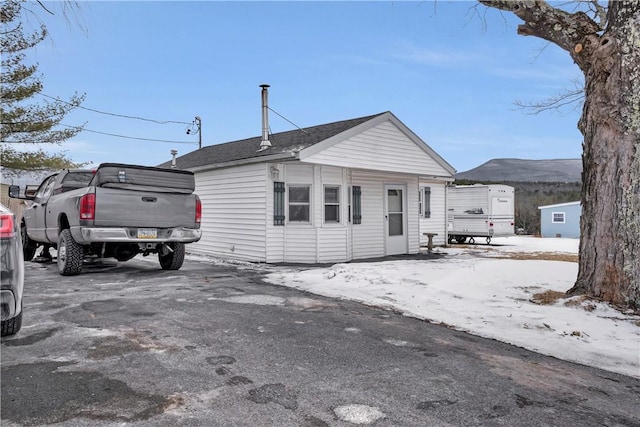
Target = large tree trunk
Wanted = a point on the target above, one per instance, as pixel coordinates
(609, 55)
(609, 265)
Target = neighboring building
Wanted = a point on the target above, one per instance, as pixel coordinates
(353, 189)
(561, 220)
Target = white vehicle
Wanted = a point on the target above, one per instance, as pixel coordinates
(479, 211)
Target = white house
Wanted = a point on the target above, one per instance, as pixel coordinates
(361, 188)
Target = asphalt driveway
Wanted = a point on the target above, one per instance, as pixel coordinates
(213, 345)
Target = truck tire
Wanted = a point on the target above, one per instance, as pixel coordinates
(11, 326)
(28, 246)
(70, 254)
(174, 259)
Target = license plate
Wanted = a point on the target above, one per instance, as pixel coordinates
(147, 233)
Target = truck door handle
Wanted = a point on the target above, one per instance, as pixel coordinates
(149, 199)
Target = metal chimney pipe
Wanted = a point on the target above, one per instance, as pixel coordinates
(265, 118)
(173, 160)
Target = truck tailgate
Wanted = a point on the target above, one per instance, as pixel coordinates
(126, 208)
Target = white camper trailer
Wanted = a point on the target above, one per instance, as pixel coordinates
(479, 211)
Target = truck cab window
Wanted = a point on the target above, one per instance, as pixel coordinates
(45, 189)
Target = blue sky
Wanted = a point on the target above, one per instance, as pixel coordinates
(449, 75)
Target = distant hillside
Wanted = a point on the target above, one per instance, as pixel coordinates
(520, 170)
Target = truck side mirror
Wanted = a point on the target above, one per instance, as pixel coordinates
(30, 191)
(14, 191)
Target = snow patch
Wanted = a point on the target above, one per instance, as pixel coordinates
(358, 414)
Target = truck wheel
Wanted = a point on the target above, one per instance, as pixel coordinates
(174, 259)
(70, 254)
(28, 246)
(11, 326)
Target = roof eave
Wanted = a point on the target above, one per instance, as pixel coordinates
(259, 159)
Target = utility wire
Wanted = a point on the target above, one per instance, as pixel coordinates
(131, 137)
(299, 128)
(162, 122)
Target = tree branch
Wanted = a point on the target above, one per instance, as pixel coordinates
(547, 22)
(573, 97)
(44, 7)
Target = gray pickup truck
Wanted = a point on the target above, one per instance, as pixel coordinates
(116, 211)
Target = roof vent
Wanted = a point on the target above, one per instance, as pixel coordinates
(265, 119)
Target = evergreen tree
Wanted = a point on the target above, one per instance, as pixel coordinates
(25, 121)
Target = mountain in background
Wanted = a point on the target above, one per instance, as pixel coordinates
(520, 170)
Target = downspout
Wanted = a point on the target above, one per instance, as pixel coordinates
(446, 214)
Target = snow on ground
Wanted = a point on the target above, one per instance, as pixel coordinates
(485, 291)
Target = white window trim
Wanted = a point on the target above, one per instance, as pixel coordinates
(302, 223)
(553, 217)
(339, 204)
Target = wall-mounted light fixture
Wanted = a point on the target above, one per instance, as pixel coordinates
(275, 172)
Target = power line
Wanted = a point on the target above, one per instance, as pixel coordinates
(162, 122)
(131, 137)
(299, 128)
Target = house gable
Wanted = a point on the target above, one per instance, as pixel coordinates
(383, 143)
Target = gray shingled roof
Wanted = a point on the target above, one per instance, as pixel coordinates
(281, 143)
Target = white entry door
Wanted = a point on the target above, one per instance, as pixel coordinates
(395, 219)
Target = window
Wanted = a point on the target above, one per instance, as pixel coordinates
(45, 189)
(357, 204)
(557, 217)
(331, 203)
(299, 207)
(73, 181)
(77, 179)
(278, 203)
(395, 211)
(426, 202)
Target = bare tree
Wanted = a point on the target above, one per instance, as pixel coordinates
(604, 42)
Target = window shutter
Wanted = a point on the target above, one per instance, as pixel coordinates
(427, 202)
(278, 203)
(357, 204)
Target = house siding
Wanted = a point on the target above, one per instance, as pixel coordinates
(233, 212)
(369, 236)
(383, 148)
(332, 237)
(320, 242)
(275, 244)
(315, 242)
(437, 223)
